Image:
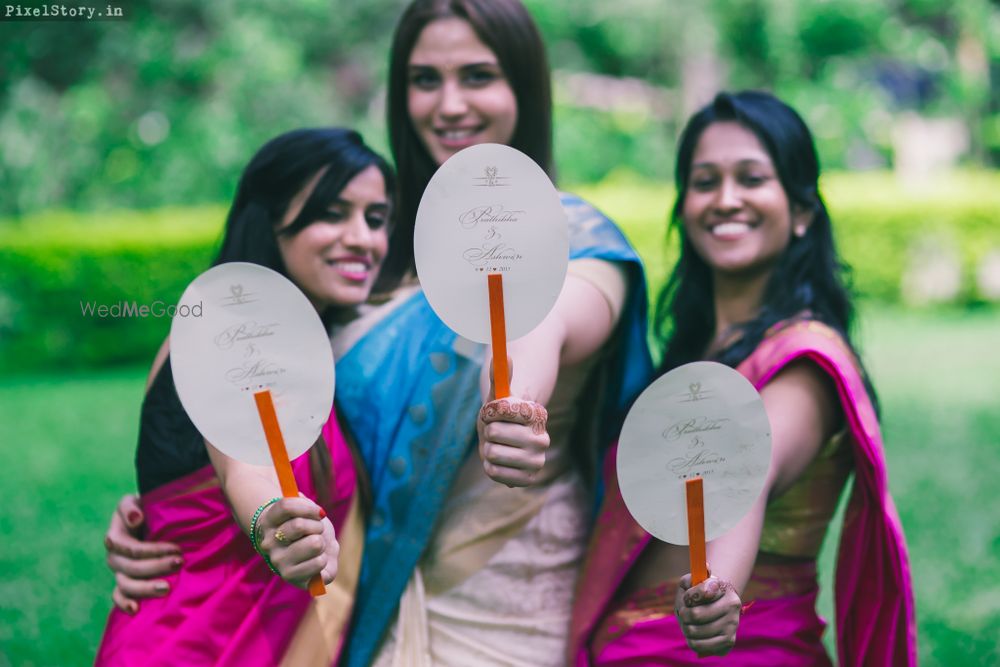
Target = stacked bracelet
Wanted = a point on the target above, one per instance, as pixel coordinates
(253, 533)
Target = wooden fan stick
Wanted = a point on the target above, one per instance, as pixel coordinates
(696, 529)
(282, 466)
(498, 335)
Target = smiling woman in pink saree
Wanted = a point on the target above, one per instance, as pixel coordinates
(758, 288)
(308, 203)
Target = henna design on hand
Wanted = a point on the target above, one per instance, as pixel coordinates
(528, 413)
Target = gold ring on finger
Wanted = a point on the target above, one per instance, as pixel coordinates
(280, 537)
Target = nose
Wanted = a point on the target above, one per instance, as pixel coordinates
(357, 233)
(452, 103)
(728, 198)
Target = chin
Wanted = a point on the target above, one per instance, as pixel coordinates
(351, 296)
(746, 270)
(441, 155)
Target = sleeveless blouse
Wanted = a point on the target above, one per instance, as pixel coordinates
(796, 522)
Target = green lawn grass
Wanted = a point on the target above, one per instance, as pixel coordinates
(938, 377)
(68, 443)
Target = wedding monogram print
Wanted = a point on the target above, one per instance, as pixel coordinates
(492, 258)
(492, 178)
(237, 296)
(493, 254)
(256, 371)
(693, 425)
(493, 214)
(698, 458)
(696, 393)
(245, 342)
(242, 331)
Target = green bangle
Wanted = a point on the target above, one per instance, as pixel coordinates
(253, 531)
(273, 568)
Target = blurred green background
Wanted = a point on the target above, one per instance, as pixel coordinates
(121, 143)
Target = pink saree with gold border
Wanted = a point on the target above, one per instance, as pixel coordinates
(874, 599)
(225, 607)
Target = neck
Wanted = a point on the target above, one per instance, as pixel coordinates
(738, 299)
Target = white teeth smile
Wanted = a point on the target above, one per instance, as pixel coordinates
(730, 229)
(351, 267)
(456, 135)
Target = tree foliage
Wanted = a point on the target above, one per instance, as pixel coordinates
(165, 106)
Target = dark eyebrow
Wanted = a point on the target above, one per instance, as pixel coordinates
(741, 163)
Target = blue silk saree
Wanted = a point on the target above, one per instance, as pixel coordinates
(410, 391)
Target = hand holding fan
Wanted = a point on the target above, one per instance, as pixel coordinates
(696, 438)
(255, 372)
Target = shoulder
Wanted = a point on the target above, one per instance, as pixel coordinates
(594, 234)
(799, 340)
(579, 211)
(798, 384)
(582, 215)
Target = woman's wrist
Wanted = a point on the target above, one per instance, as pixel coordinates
(257, 533)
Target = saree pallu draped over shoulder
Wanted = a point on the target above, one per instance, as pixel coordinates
(873, 594)
(410, 390)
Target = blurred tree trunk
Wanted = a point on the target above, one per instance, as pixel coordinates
(703, 71)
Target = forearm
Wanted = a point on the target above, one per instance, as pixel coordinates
(579, 324)
(246, 487)
(534, 363)
(732, 555)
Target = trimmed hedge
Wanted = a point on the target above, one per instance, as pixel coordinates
(880, 226)
(50, 263)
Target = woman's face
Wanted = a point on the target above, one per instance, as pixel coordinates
(457, 94)
(335, 260)
(736, 212)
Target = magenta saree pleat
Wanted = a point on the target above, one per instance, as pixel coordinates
(782, 632)
(225, 607)
(874, 598)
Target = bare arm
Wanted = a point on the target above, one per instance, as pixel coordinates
(293, 533)
(140, 566)
(580, 322)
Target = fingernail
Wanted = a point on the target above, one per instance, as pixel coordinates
(134, 517)
(176, 562)
(161, 587)
(712, 587)
(322, 513)
(132, 609)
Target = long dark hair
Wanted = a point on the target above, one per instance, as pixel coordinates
(272, 178)
(507, 28)
(277, 173)
(808, 277)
